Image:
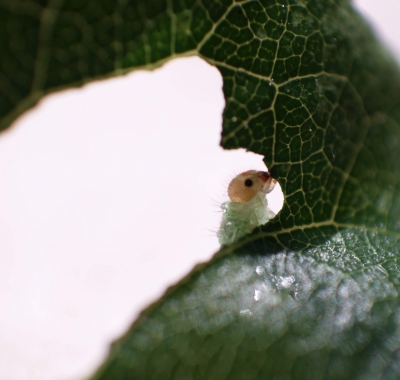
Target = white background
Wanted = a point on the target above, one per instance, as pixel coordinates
(109, 194)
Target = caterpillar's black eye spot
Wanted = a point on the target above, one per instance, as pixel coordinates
(248, 183)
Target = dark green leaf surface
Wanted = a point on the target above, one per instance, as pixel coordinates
(314, 293)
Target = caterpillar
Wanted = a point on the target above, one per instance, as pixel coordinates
(248, 205)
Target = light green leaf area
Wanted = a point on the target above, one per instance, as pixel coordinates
(313, 294)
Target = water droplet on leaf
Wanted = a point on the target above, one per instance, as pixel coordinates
(286, 281)
(257, 295)
(260, 270)
(246, 312)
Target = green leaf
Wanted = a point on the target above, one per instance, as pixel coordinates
(314, 293)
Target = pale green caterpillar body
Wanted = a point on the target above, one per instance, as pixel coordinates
(248, 205)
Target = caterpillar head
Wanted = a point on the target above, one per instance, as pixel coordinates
(247, 185)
